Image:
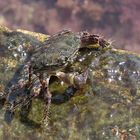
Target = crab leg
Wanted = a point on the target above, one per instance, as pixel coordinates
(48, 95)
(47, 107)
(30, 74)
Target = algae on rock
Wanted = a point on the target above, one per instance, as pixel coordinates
(106, 109)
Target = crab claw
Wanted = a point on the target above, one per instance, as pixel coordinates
(76, 79)
(81, 79)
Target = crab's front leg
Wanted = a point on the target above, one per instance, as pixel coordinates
(48, 96)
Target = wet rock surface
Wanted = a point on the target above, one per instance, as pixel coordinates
(107, 107)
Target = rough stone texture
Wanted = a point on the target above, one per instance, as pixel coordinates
(107, 108)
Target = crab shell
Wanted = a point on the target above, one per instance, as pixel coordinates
(56, 52)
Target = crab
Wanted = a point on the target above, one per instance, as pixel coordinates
(51, 59)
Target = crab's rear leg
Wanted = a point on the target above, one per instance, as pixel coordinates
(47, 95)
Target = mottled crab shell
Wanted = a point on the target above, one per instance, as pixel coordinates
(56, 52)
